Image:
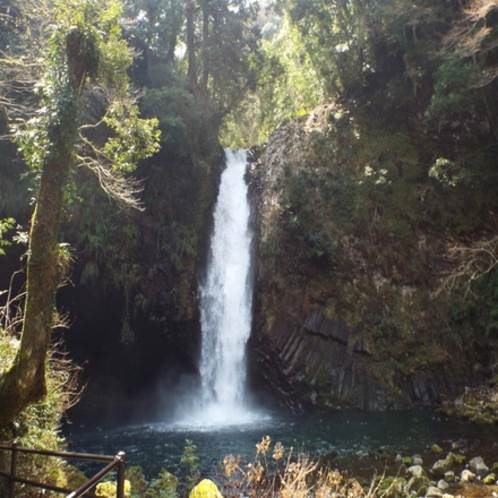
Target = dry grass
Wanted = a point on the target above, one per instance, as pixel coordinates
(281, 473)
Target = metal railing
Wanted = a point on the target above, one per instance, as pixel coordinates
(114, 462)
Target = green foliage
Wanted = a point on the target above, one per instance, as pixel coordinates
(134, 474)
(163, 486)
(108, 489)
(452, 94)
(191, 463)
(134, 140)
(5, 225)
(335, 38)
(86, 46)
(38, 425)
(477, 307)
(289, 87)
(304, 214)
(212, 44)
(447, 172)
(175, 107)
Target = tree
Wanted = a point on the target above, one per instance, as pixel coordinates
(335, 36)
(83, 56)
(467, 79)
(288, 86)
(213, 42)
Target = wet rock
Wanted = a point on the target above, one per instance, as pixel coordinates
(433, 492)
(467, 476)
(435, 448)
(417, 460)
(416, 484)
(478, 466)
(442, 485)
(490, 479)
(442, 466)
(457, 458)
(449, 476)
(416, 471)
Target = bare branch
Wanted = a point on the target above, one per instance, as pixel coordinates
(122, 189)
(11, 311)
(469, 263)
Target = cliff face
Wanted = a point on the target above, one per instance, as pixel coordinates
(353, 240)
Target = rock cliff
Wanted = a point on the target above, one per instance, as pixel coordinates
(352, 253)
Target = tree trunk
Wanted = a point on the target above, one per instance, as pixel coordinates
(24, 383)
(205, 50)
(191, 49)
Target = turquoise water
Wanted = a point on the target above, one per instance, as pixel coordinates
(355, 439)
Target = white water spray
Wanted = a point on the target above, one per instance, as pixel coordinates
(226, 300)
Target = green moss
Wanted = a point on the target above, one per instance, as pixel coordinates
(457, 458)
(489, 479)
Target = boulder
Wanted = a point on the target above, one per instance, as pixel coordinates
(440, 467)
(442, 485)
(449, 476)
(416, 471)
(416, 484)
(478, 466)
(467, 476)
(433, 492)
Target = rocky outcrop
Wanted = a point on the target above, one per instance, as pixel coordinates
(346, 314)
(313, 366)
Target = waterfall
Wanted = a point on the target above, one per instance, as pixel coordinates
(226, 299)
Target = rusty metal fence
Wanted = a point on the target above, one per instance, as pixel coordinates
(113, 462)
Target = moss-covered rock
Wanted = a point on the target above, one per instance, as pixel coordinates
(205, 489)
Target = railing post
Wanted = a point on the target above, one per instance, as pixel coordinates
(13, 469)
(121, 474)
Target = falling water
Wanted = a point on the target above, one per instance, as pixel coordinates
(226, 299)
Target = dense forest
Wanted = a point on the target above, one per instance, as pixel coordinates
(372, 127)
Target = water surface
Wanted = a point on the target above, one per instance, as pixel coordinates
(356, 439)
